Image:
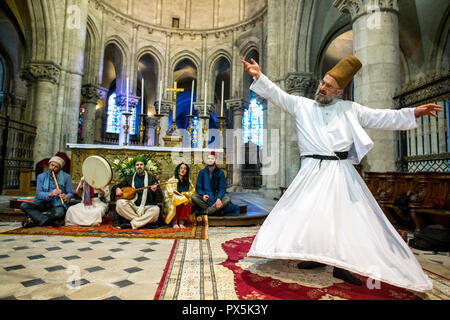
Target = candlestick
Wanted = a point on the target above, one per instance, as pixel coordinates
(126, 126)
(142, 96)
(158, 128)
(141, 130)
(221, 101)
(190, 128)
(205, 130)
(221, 129)
(192, 96)
(128, 86)
(160, 97)
(206, 89)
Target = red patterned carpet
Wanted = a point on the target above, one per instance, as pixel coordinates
(195, 230)
(251, 286)
(219, 269)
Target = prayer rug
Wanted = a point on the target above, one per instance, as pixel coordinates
(195, 230)
(217, 269)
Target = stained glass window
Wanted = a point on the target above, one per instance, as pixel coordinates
(252, 122)
(80, 121)
(132, 121)
(113, 115)
(194, 140)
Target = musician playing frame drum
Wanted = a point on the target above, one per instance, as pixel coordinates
(95, 194)
(143, 209)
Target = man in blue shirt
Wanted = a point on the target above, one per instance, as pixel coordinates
(52, 197)
(210, 190)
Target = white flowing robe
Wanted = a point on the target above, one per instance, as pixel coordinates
(328, 214)
(81, 215)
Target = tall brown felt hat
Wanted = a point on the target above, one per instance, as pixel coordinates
(344, 71)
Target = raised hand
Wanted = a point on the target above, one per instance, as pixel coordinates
(427, 110)
(252, 69)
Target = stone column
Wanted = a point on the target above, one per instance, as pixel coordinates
(46, 77)
(237, 106)
(100, 113)
(90, 97)
(296, 84)
(376, 44)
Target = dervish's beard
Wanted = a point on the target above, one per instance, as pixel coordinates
(140, 172)
(324, 100)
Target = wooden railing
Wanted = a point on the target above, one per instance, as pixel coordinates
(16, 144)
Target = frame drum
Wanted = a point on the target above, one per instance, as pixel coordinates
(97, 172)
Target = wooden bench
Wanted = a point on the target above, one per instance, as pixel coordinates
(423, 188)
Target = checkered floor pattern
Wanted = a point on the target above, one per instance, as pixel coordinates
(37, 267)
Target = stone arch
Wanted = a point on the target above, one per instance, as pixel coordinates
(442, 49)
(215, 57)
(92, 52)
(44, 30)
(223, 58)
(179, 57)
(185, 54)
(338, 30)
(155, 54)
(119, 53)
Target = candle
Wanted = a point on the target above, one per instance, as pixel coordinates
(221, 102)
(160, 97)
(206, 89)
(192, 96)
(142, 98)
(128, 85)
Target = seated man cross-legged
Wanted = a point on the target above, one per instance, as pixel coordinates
(210, 195)
(53, 193)
(143, 208)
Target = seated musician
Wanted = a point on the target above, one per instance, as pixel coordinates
(177, 198)
(143, 208)
(53, 193)
(91, 210)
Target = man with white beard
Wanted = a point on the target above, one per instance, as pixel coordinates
(328, 216)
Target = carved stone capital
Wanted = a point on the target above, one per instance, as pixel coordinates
(121, 101)
(358, 8)
(237, 106)
(166, 107)
(298, 83)
(200, 107)
(41, 71)
(90, 93)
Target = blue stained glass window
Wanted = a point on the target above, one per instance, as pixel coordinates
(113, 115)
(132, 121)
(194, 140)
(253, 123)
(80, 121)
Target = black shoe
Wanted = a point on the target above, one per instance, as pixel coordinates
(310, 265)
(125, 226)
(28, 223)
(346, 276)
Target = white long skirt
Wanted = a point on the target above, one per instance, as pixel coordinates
(328, 215)
(81, 215)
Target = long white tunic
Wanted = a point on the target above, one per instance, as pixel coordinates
(328, 214)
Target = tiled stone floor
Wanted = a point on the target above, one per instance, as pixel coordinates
(36, 267)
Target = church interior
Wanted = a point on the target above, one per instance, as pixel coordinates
(164, 79)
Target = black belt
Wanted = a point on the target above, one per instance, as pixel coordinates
(338, 156)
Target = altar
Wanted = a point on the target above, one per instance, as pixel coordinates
(165, 158)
